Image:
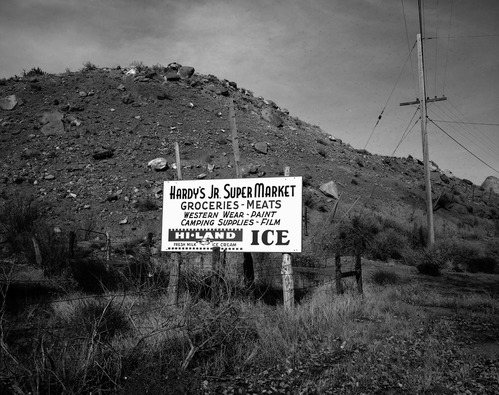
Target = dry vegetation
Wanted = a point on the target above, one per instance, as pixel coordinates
(88, 327)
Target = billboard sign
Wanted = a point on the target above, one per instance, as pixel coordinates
(245, 215)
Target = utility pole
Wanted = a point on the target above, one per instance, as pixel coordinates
(424, 134)
(426, 154)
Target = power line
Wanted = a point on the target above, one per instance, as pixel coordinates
(468, 123)
(462, 146)
(389, 96)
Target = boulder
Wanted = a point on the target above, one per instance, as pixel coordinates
(8, 103)
(491, 183)
(52, 124)
(261, 147)
(329, 189)
(172, 76)
(186, 72)
(158, 164)
(270, 116)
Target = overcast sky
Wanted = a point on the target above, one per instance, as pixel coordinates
(333, 63)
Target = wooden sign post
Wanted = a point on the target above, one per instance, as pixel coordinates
(175, 268)
(288, 286)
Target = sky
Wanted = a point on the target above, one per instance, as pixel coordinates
(337, 64)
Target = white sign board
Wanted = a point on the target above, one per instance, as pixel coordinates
(246, 215)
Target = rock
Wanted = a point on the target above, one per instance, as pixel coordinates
(248, 169)
(49, 177)
(121, 87)
(329, 189)
(466, 181)
(52, 124)
(172, 76)
(491, 183)
(270, 116)
(174, 66)
(163, 96)
(233, 84)
(82, 94)
(261, 147)
(444, 178)
(186, 72)
(127, 99)
(201, 176)
(124, 221)
(151, 74)
(8, 103)
(211, 167)
(158, 164)
(102, 154)
(225, 92)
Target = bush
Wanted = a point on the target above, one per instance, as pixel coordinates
(101, 319)
(384, 277)
(429, 265)
(482, 264)
(18, 219)
(388, 244)
(33, 72)
(87, 66)
(92, 275)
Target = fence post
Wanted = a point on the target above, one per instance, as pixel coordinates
(215, 283)
(288, 286)
(174, 277)
(337, 262)
(176, 261)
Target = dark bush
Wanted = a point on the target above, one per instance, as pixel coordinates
(17, 218)
(101, 319)
(482, 264)
(388, 244)
(93, 276)
(35, 71)
(429, 265)
(384, 277)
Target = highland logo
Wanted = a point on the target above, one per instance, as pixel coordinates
(180, 235)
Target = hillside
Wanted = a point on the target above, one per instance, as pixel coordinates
(80, 142)
(78, 152)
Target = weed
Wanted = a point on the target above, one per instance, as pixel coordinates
(138, 65)
(35, 71)
(100, 319)
(18, 218)
(88, 66)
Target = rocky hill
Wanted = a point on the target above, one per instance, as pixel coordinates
(82, 143)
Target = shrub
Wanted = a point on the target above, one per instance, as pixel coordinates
(138, 65)
(18, 218)
(100, 318)
(429, 265)
(387, 244)
(33, 72)
(87, 66)
(92, 275)
(482, 264)
(384, 277)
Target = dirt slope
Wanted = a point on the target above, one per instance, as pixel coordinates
(81, 142)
